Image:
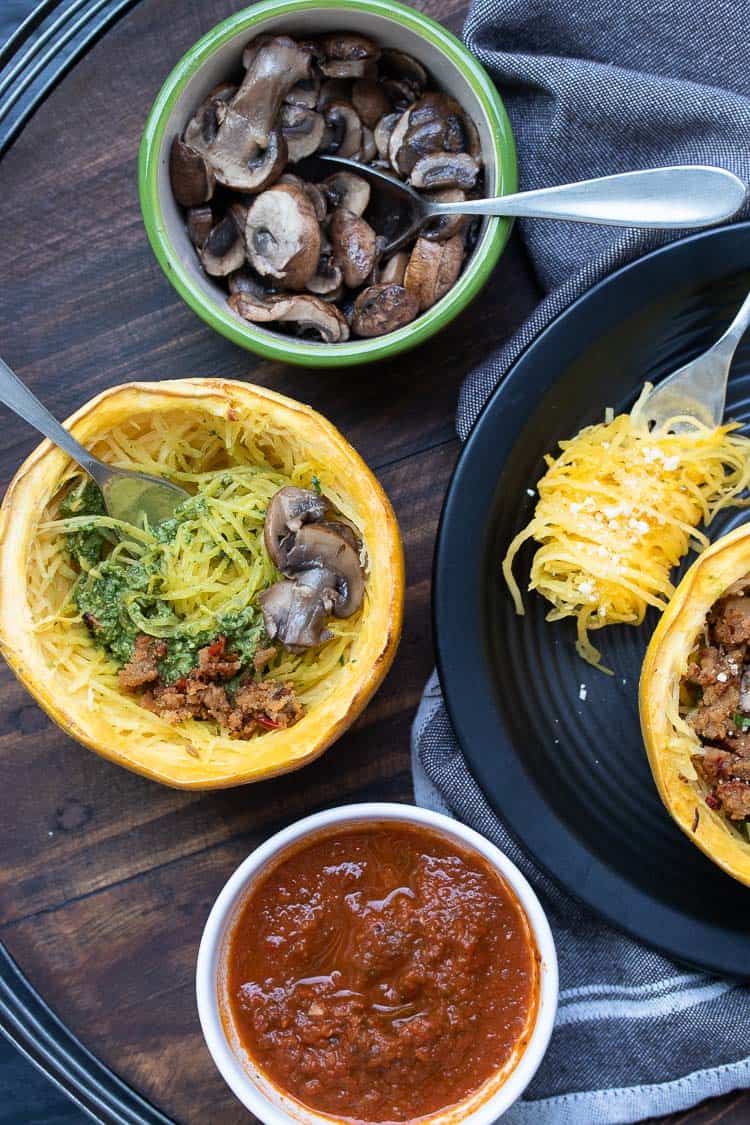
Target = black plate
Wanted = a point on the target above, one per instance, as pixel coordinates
(569, 776)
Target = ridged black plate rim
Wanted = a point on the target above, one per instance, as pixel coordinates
(461, 636)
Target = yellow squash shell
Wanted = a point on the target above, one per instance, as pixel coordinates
(669, 739)
(276, 422)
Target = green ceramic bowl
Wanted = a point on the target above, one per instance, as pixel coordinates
(217, 54)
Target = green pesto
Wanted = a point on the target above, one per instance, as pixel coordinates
(120, 598)
(84, 544)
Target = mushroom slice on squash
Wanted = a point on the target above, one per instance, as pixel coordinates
(307, 312)
(295, 613)
(274, 69)
(190, 175)
(348, 190)
(302, 130)
(445, 170)
(321, 545)
(223, 251)
(383, 308)
(289, 509)
(283, 236)
(354, 246)
(433, 268)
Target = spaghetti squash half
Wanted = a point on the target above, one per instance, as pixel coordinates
(89, 609)
(695, 704)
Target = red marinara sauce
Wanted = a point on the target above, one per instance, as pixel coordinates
(382, 973)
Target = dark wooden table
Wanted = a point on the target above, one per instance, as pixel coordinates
(108, 878)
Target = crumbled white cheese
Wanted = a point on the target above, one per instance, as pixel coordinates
(671, 463)
(586, 587)
(530, 492)
(722, 677)
(582, 692)
(641, 526)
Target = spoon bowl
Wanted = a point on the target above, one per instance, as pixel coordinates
(131, 497)
(681, 196)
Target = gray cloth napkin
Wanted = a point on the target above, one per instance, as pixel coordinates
(595, 87)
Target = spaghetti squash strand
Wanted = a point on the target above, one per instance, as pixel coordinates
(617, 509)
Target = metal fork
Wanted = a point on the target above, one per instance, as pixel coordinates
(699, 389)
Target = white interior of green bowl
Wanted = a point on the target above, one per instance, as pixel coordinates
(224, 62)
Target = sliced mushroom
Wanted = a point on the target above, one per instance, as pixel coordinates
(433, 124)
(343, 134)
(223, 251)
(191, 176)
(354, 245)
(253, 47)
(307, 312)
(400, 94)
(312, 191)
(369, 101)
(295, 613)
(302, 130)
(368, 150)
(283, 237)
(237, 161)
(319, 545)
(274, 68)
(244, 280)
(445, 170)
(443, 227)
(327, 278)
(383, 308)
(392, 271)
(289, 509)
(223, 92)
(397, 64)
(433, 268)
(305, 93)
(383, 131)
(348, 190)
(347, 55)
(333, 90)
(199, 222)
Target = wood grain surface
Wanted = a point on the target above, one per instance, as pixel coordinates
(108, 878)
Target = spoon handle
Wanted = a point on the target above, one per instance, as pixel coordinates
(26, 405)
(691, 195)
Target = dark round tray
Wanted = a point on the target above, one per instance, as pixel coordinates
(567, 774)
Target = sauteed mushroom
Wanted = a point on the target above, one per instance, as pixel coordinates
(348, 190)
(343, 133)
(354, 246)
(321, 562)
(307, 257)
(302, 130)
(304, 310)
(283, 236)
(383, 308)
(200, 220)
(191, 176)
(288, 510)
(433, 267)
(223, 251)
(445, 170)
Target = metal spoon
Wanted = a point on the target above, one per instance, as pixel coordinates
(684, 195)
(128, 496)
(699, 389)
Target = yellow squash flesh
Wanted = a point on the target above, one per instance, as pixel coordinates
(168, 757)
(670, 741)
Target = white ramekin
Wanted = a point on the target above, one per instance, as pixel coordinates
(252, 1087)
